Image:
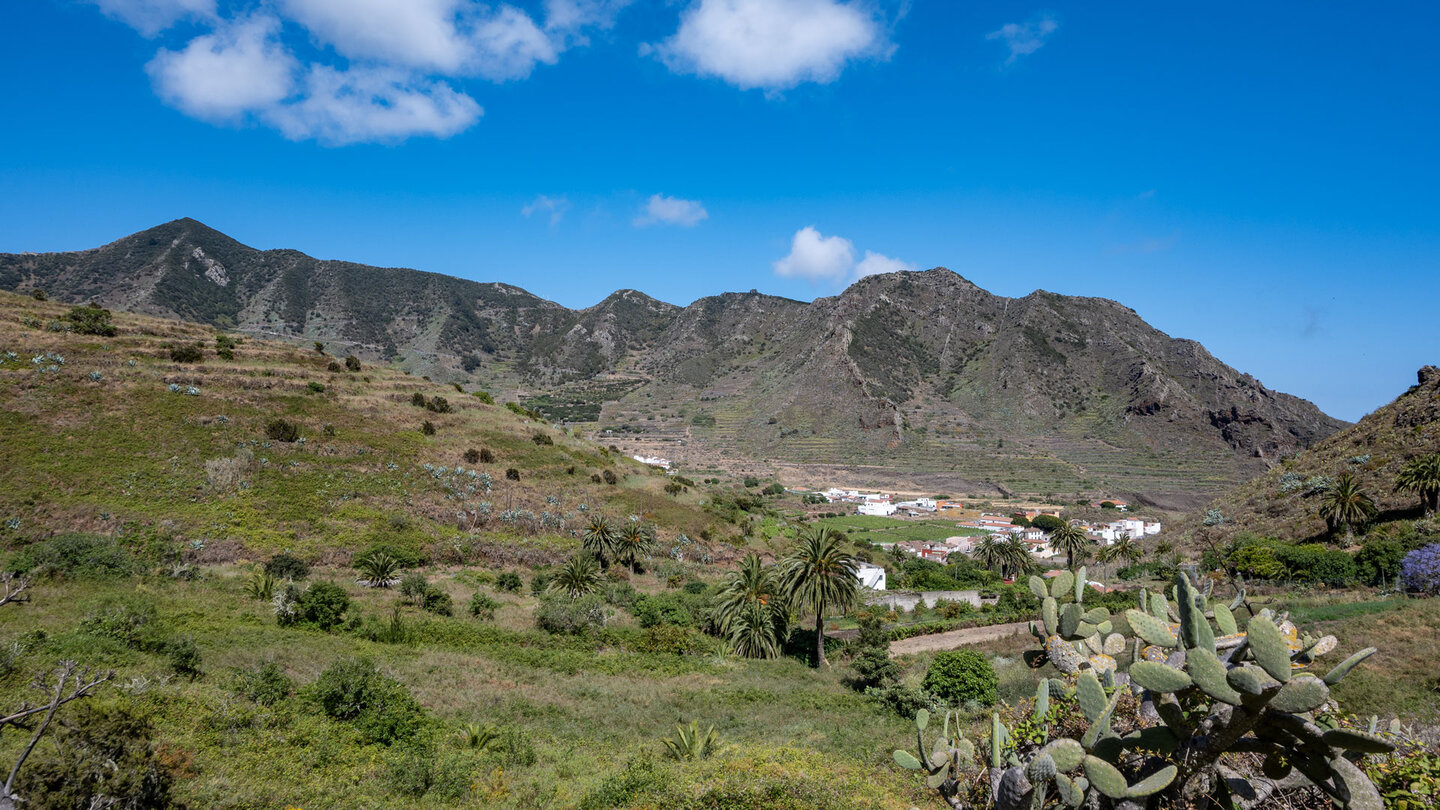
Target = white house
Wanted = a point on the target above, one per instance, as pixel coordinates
(876, 508)
(870, 576)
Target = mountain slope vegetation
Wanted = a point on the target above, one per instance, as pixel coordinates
(921, 371)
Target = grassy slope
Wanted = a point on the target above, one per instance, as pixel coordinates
(588, 713)
(87, 454)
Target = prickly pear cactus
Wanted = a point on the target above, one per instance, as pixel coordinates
(1204, 688)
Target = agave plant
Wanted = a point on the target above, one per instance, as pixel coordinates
(378, 570)
(260, 585)
(477, 736)
(689, 743)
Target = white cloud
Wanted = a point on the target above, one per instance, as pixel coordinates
(238, 69)
(662, 210)
(562, 15)
(831, 259)
(150, 17)
(1026, 38)
(557, 206)
(817, 258)
(876, 263)
(771, 44)
(451, 37)
(349, 106)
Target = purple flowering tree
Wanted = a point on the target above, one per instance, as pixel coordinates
(1421, 569)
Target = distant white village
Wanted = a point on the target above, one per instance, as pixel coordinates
(1016, 525)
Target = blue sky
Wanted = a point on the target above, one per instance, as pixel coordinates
(1259, 177)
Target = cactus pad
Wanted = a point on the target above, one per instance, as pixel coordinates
(1209, 674)
(1037, 587)
(1100, 662)
(1247, 679)
(1225, 620)
(1069, 793)
(1091, 696)
(1270, 647)
(1041, 768)
(1061, 584)
(1066, 753)
(1106, 778)
(1344, 667)
(1114, 644)
(1159, 677)
(1305, 693)
(1352, 740)
(1151, 629)
(1154, 783)
(1063, 655)
(1050, 615)
(1070, 617)
(907, 760)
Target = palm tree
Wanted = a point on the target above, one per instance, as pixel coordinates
(1070, 539)
(1346, 504)
(818, 574)
(1015, 558)
(1421, 476)
(988, 552)
(599, 539)
(578, 576)
(630, 544)
(1122, 549)
(751, 612)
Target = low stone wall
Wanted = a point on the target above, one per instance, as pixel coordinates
(907, 600)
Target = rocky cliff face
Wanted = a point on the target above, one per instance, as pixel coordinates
(920, 369)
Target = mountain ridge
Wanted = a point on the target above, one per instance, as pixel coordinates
(920, 369)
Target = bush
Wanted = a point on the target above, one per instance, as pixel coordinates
(609, 476)
(557, 614)
(508, 581)
(282, 430)
(286, 566)
(352, 363)
(381, 708)
(541, 438)
(81, 556)
(184, 657)
(438, 602)
(668, 639)
(427, 427)
(960, 676)
(438, 405)
(266, 685)
(1378, 563)
(323, 605)
(187, 353)
(483, 607)
(413, 587)
(484, 396)
(872, 663)
(663, 608)
(1421, 569)
(903, 700)
(472, 456)
(420, 771)
(103, 755)
(89, 320)
(315, 387)
(512, 474)
(332, 367)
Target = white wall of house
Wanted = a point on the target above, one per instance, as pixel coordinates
(870, 576)
(876, 508)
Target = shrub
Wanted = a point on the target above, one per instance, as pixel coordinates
(323, 605)
(486, 457)
(332, 367)
(417, 399)
(286, 602)
(484, 396)
(225, 347)
(663, 608)
(482, 606)
(438, 405)
(282, 430)
(903, 700)
(438, 602)
(469, 362)
(960, 676)
(419, 770)
(413, 587)
(558, 614)
(541, 438)
(103, 755)
(353, 690)
(1421, 569)
(38, 294)
(472, 456)
(90, 320)
(81, 556)
(187, 353)
(540, 582)
(315, 387)
(184, 657)
(1378, 563)
(266, 685)
(508, 581)
(874, 668)
(512, 474)
(286, 566)
(609, 476)
(428, 428)
(352, 363)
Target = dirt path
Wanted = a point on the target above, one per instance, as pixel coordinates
(957, 638)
